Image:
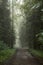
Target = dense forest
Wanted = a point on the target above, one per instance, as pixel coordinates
(21, 26)
(6, 32)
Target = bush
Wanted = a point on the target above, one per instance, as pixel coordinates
(39, 40)
(39, 37)
(37, 53)
(6, 54)
(5, 51)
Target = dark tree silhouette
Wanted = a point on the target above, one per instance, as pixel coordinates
(6, 33)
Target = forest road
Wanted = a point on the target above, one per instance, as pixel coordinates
(23, 57)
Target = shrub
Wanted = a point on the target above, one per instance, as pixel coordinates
(6, 54)
(39, 39)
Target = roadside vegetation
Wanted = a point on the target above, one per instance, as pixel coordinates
(5, 52)
(36, 53)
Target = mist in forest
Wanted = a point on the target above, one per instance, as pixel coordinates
(21, 32)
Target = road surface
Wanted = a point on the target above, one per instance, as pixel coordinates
(23, 57)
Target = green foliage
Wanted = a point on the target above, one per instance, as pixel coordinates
(37, 53)
(5, 51)
(40, 37)
(6, 54)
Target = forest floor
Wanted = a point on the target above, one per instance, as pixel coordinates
(23, 57)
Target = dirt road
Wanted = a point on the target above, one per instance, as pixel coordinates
(23, 57)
